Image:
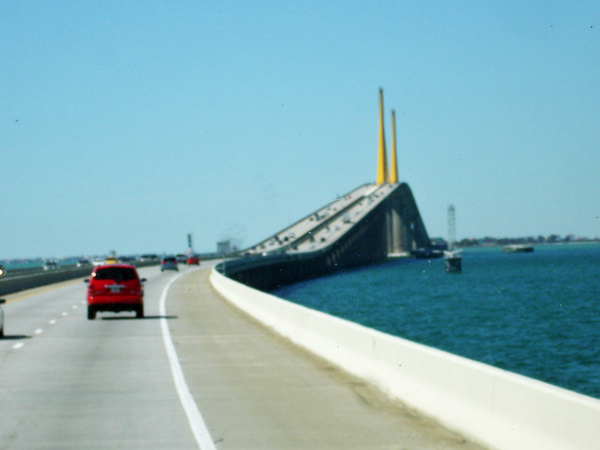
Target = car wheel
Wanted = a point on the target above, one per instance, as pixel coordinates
(91, 313)
(2, 332)
(139, 313)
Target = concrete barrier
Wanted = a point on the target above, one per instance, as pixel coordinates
(9, 285)
(496, 408)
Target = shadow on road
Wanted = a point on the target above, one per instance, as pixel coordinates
(141, 318)
(13, 337)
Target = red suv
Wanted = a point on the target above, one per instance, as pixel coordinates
(115, 287)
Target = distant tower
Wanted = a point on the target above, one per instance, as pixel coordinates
(393, 162)
(451, 228)
(382, 169)
(190, 245)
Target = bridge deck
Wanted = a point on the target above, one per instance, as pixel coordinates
(257, 391)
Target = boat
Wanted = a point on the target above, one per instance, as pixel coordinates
(453, 261)
(518, 248)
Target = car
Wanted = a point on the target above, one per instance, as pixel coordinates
(50, 265)
(82, 263)
(193, 259)
(2, 271)
(2, 318)
(181, 259)
(111, 260)
(169, 263)
(116, 288)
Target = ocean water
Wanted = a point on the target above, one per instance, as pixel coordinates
(536, 314)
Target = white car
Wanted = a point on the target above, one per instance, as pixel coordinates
(2, 318)
(50, 265)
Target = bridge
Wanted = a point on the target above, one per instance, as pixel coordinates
(218, 363)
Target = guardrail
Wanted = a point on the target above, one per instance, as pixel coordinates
(497, 408)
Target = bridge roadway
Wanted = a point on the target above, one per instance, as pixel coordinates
(70, 383)
(321, 228)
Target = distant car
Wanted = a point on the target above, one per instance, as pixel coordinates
(2, 318)
(111, 260)
(116, 288)
(82, 263)
(193, 259)
(169, 263)
(2, 271)
(98, 262)
(50, 265)
(181, 259)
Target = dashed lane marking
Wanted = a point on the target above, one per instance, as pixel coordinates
(52, 322)
(65, 313)
(38, 331)
(18, 345)
(74, 306)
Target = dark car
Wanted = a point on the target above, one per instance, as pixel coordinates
(181, 259)
(169, 263)
(116, 288)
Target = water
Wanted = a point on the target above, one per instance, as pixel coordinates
(537, 314)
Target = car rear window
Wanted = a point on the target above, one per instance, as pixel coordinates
(170, 259)
(115, 273)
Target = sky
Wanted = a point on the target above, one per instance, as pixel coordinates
(126, 125)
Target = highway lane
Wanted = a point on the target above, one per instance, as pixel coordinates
(70, 383)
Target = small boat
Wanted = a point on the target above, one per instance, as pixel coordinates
(518, 248)
(453, 261)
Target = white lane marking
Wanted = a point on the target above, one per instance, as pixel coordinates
(82, 302)
(65, 314)
(74, 306)
(192, 412)
(18, 345)
(52, 322)
(38, 331)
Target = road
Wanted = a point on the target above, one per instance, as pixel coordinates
(70, 383)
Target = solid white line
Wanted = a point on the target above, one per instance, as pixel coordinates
(19, 345)
(192, 412)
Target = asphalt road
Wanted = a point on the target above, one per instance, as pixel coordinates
(70, 383)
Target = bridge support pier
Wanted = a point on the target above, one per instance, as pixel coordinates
(405, 231)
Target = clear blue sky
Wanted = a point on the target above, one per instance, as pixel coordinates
(126, 125)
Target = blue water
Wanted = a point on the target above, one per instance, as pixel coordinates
(537, 314)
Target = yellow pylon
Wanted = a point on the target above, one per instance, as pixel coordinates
(382, 170)
(393, 162)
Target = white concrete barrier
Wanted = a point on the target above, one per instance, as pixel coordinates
(499, 409)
